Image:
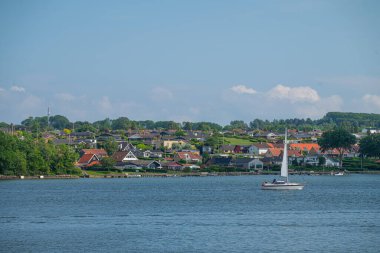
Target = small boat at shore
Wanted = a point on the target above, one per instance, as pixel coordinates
(283, 184)
(341, 173)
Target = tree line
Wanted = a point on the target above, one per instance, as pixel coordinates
(352, 122)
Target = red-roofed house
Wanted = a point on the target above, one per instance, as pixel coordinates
(173, 166)
(304, 147)
(88, 160)
(99, 152)
(188, 157)
(273, 152)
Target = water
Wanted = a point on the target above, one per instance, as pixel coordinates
(207, 214)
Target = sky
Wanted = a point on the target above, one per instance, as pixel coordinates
(201, 60)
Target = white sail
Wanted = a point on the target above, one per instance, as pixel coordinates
(284, 165)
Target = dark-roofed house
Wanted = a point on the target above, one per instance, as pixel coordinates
(227, 148)
(220, 161)
(124, 156)
(248, 164)
(137, 164)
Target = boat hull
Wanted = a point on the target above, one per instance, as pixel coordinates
(285, 186)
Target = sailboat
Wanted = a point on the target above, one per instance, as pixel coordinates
(283, 184)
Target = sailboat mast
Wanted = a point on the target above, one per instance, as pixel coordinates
(284, 165)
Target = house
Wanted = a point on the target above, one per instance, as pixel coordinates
(189, 157)
(274, 152)
(138, 164)
(82, 135)
(227, 149)
(239, 149)
(155, 154)
(331, 162)
(259, 148)
(294, 156)
(124, 156)
(108, 136)
(88, 160)
(311, 160)
(206, 149)
(304, 147)
(99, 152)
(168, 144)
(220, 161)
(248, 164)
(126, 146)
(173, 166)
(267, 135)
(370, 131)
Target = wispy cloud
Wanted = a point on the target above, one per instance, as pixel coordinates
(294, 94)
(161, 93)
(65, 97)
(372, 100)
(17, 89)
(354, 82)
(242, 89)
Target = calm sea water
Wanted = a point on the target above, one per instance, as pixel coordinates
(207, 214)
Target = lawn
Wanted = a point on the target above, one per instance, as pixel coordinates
(236, 141)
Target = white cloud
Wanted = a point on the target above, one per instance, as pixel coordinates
(242, 89)
(65, 97)
(294, 94)
(372, 100)
(17, 89)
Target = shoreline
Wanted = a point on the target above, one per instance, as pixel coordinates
(195, 174)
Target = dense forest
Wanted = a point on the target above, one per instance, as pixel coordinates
(25, 155)
(352, 122)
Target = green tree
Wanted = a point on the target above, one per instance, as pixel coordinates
(339, 139)
(59, 122)
(122, 123)
(110, 145)
(321, 161)
(370, 145)
(108, 163)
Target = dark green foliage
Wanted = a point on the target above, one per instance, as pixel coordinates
(108, 163)
(110, 145)
(59, 122)
(351, 122)
(236, 124)
(370, 145)
(339, 139)
(27, 156)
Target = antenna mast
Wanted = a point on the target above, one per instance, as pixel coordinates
(48, 117)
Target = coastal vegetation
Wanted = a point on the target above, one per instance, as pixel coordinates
(34, 147)
(25, 155)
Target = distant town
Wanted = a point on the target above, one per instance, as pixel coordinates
(52, 145)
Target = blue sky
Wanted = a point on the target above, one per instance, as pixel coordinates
(188, 60)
